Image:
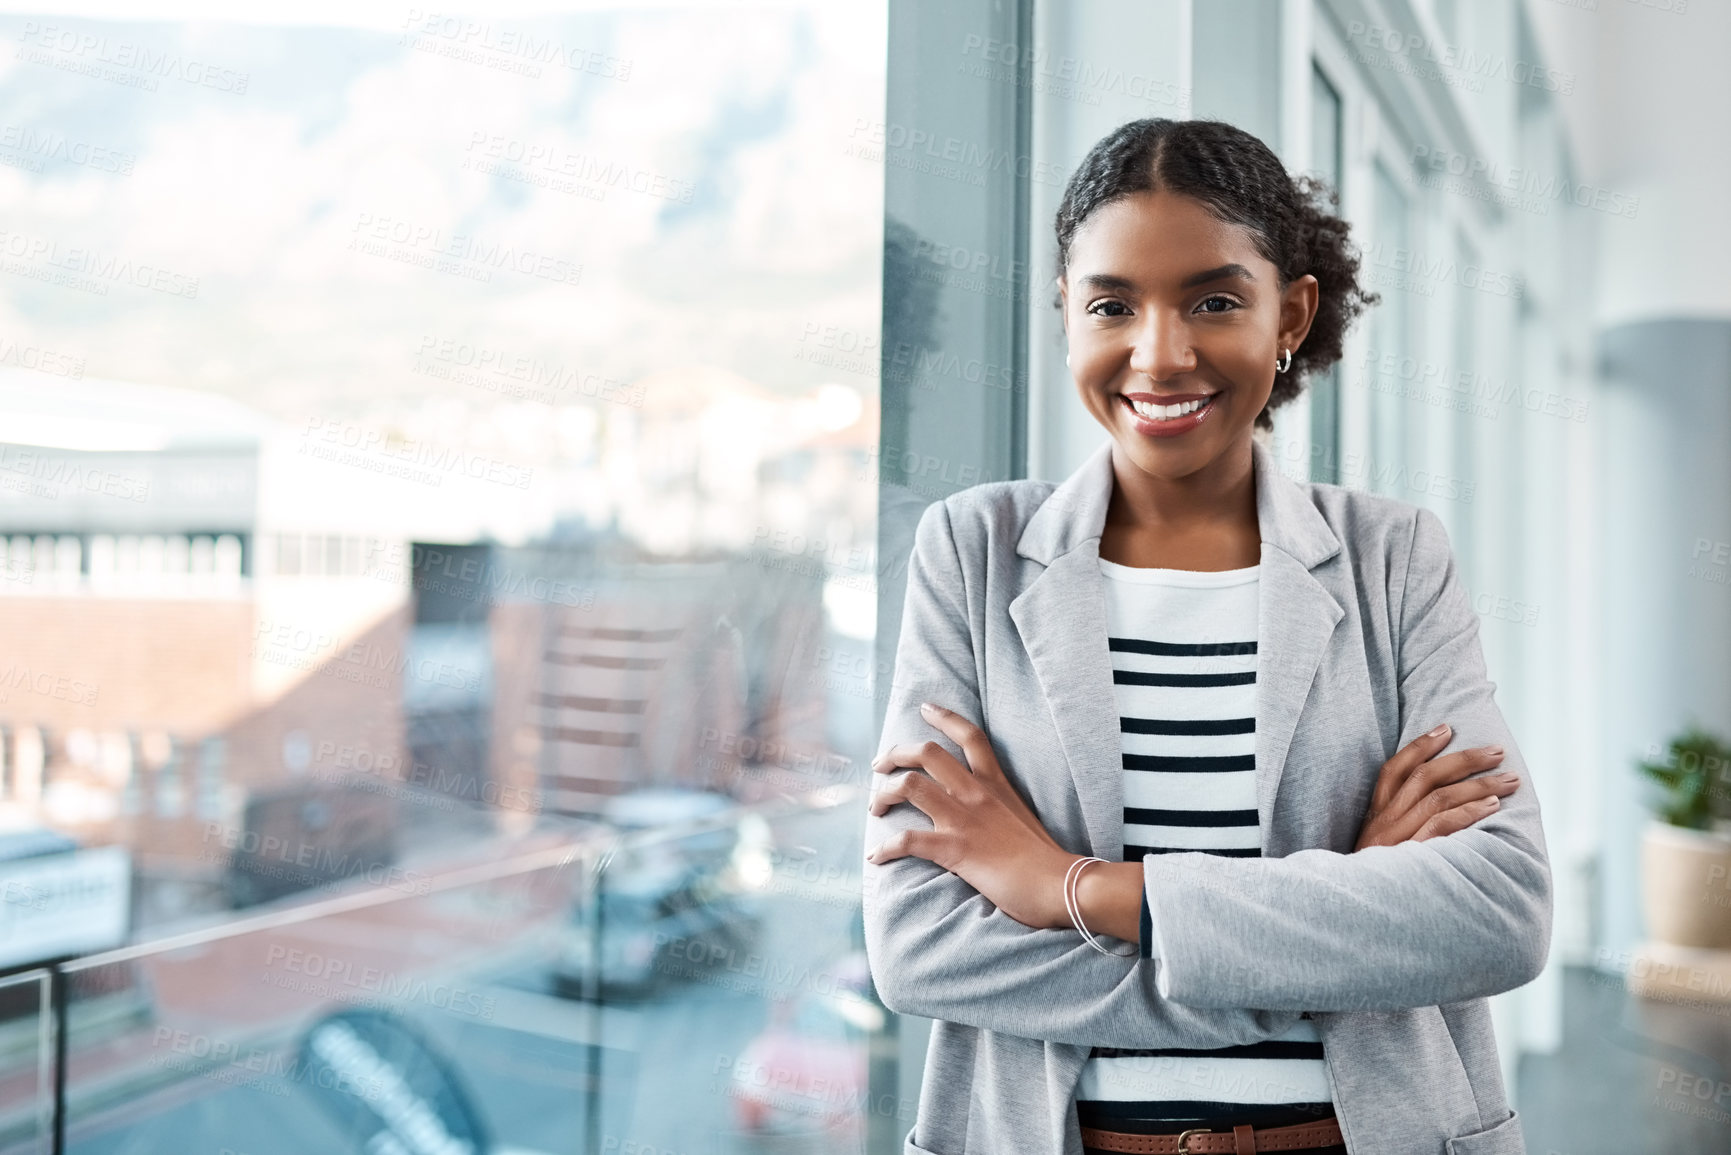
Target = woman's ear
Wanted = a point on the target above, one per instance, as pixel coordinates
(1298, 310)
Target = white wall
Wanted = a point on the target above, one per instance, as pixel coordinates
(1648, 119)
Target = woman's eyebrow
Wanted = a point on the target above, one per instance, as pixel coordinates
(1108, 282)
(1112, 283)
(1234, 272)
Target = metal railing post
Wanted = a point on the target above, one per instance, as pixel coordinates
(57, 1003)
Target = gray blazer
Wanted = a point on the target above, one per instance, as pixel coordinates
(1367, 639)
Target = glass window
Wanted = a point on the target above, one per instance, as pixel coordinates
(1466, 391)
(1324, 388)
(1393, 272)
(170, 785)
(474, 420)
(212, 754)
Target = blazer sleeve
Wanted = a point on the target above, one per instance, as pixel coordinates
(1392, 927)
(937, 947)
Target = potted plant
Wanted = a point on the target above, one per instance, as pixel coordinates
(1686, 850)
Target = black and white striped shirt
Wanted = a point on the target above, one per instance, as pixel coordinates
(1183, 646)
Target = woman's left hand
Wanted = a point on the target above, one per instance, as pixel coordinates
(983, 832)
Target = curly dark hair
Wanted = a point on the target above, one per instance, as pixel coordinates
(1240, 180)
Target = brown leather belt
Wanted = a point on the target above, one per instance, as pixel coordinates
(1241, 1140)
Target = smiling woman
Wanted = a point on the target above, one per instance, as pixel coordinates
(1230, 177)
(1220, 719)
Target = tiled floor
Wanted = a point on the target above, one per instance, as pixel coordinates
(1633, 1076)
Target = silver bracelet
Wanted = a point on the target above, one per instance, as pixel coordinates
(1072, 878)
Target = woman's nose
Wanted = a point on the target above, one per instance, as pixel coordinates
(1162, 348)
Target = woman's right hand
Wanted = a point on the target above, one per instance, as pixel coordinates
(1419, 795)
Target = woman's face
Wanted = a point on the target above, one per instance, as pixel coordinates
(1170, 309)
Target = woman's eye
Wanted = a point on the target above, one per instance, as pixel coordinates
(1108, 309)
(1226, 304)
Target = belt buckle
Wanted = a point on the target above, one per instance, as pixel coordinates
(1184, 1138)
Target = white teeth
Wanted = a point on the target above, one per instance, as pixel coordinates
(1167, 412)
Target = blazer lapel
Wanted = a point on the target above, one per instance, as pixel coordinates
(1295, 619)
(1061, 617)
(1062, 620)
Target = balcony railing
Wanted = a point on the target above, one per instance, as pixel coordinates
(583, 988)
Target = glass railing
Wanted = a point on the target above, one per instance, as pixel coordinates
(26, 1063)
(692, 988)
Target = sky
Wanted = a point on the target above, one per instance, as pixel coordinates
(318, 219)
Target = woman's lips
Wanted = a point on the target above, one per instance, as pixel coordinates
(1171, 426)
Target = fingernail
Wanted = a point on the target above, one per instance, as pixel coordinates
(931, 709)
(1493, 751)
(1492, 802)
(1439, 731)
(1508, 777)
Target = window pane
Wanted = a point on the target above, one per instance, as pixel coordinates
(1325, 129)
(1393, 277)
(461, 433)
(1324, 388)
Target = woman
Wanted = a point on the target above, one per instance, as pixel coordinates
(1190, 832)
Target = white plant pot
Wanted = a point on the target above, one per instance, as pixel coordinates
(1686, 885)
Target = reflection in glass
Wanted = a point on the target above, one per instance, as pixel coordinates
(437, 555)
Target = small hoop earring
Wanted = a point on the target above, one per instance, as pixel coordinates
(1285, 361)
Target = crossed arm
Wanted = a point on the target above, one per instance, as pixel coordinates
(961, 890)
